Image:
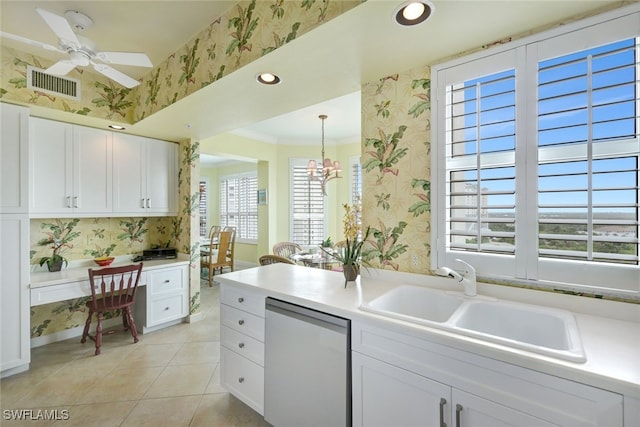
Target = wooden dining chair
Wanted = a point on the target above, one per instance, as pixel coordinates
(232, 246)
(214, 232)
(112, 288)
(274, 259)
(219, 257)
(286, 249)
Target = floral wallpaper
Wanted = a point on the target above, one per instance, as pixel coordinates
(247, 31)
(396, 170)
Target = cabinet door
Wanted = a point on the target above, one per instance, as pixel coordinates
(50, 167)
(472, 411)
(384, 395)
(14, 159)
(92, 150)
(161, 176)
(128, 171)
(14, 292)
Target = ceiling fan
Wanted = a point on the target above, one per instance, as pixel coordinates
(81, 50)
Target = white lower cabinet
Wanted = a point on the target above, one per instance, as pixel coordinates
(242, 345)
(390, 396)
(402, 380)
(164, 300)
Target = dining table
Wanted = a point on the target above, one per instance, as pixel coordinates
(315, 260)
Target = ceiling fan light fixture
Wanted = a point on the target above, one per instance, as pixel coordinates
(268, 79)
(413, 12)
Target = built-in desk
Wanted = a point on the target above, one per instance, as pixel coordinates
(162, 298)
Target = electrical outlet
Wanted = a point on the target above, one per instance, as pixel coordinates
(414, 260)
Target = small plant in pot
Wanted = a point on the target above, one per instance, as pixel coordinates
(59, 238)
(350, 254)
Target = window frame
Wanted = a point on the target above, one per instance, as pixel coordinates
(589, 277)
(250, 195)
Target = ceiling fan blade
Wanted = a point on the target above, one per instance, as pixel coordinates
(125, 58)
(29, 41)
(59, 25)
(116, 75)
(61, 68)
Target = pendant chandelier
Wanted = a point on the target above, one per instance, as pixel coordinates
(330, 170)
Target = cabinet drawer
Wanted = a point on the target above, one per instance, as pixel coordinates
(166, 309)
(242, 344)
(242, 322)
(166, 280)
(243, 378)
(242, 300)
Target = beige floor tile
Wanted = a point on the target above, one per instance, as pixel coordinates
(222, 410)
(97, 415)
(152, 355)
(62, 388)
(197, 352)
(174, 412)
(182, 380)
(122, 384)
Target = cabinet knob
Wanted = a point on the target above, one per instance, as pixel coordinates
(240, 322)
(241, 345)
(166, 309)
(167, 281)
(241, 379)
(241, 300)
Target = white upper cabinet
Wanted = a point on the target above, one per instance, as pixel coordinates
(14, 159)
(145, 176)
(71, 170)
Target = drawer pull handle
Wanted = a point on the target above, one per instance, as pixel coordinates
(166, 309)
(241, 345)
(458, 412)
(167, 281)
(240, 300)
(241, 380)
(240, 322)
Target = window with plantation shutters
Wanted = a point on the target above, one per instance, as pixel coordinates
(536, 164)
(307, 206)
(203, 208)
(239, 205)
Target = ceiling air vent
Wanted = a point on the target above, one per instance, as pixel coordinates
(56, 85)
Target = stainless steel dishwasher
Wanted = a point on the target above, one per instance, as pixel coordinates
(307, 367)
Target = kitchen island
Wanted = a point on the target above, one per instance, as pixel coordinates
(388, 352)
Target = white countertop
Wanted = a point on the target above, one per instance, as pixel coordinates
(612, 345)
(79, 271)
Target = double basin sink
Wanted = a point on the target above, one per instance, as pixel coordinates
(548, 331)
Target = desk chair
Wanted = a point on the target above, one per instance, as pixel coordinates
(112, 288)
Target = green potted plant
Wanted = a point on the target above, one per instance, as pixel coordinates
(327, 243)
(59, 237)
(350, 254)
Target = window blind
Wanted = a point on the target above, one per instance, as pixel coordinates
(203, 209)
(307, 207)
(239, 205)
(480, 152)
(588, 184)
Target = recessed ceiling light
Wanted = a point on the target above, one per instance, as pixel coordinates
(268, 79)
(413, 12)
(117, 127)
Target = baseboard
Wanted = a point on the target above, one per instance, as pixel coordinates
(71, 333)
(192, 318)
